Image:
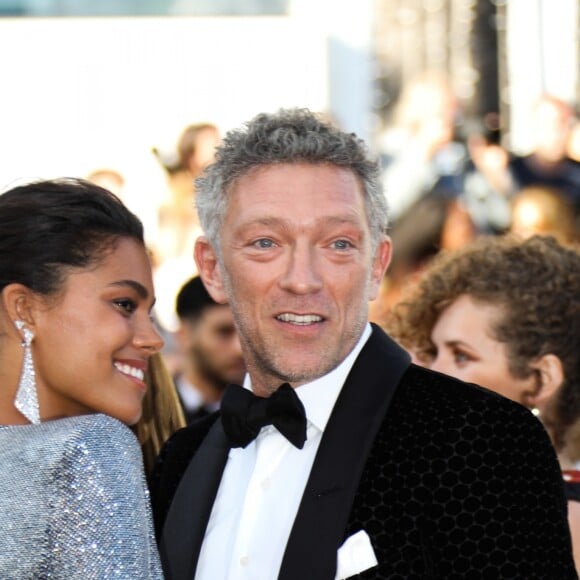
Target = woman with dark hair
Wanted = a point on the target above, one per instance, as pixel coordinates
(76, 336)
(505, 313)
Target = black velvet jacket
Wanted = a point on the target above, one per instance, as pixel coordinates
(450, 481)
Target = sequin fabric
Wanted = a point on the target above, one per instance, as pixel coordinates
(74, 503)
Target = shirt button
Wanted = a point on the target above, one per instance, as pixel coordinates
(244, 561)
(266, 483)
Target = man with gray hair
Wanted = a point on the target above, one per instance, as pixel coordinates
(339, 457)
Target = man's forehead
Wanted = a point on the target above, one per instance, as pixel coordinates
(291, 171)
(354, 222)
(288, 193)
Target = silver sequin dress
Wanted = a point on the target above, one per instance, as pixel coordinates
(74, 503)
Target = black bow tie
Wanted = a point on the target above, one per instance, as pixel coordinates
(244, 414)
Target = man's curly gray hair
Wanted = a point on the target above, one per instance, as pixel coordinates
(288, 136)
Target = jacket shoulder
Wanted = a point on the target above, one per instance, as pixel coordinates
(457, 403)
(470, 426)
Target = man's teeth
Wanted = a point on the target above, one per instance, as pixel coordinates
(299, 319)
(129, 370)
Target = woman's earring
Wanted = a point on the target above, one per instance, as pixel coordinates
(26, 396)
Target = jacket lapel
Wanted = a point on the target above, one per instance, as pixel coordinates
(191, 507)
(356, 418)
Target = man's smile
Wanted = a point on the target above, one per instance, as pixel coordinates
(300, 319)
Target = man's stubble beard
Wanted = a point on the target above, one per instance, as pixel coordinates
(264, 360)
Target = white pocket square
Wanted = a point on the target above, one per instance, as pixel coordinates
(355, 556)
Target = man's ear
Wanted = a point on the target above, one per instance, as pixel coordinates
(18, 302)
(550, 372)
(209, 269)
(381, 261)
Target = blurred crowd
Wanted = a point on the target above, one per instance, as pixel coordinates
(445, 188)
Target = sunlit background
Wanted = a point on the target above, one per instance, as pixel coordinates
(88, 84)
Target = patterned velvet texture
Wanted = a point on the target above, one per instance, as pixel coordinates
(439, 495)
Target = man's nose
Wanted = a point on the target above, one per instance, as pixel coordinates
(301, 275)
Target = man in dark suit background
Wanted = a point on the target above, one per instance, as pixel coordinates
(349, 461)
(210, 356)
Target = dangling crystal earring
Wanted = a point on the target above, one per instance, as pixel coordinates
(26, 398)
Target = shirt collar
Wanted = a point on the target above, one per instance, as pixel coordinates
(319, 396)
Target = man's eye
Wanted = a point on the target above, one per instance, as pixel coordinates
(341, 245)
(126, 304)
(263, 243)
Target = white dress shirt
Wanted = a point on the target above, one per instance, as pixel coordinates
(262, 486)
